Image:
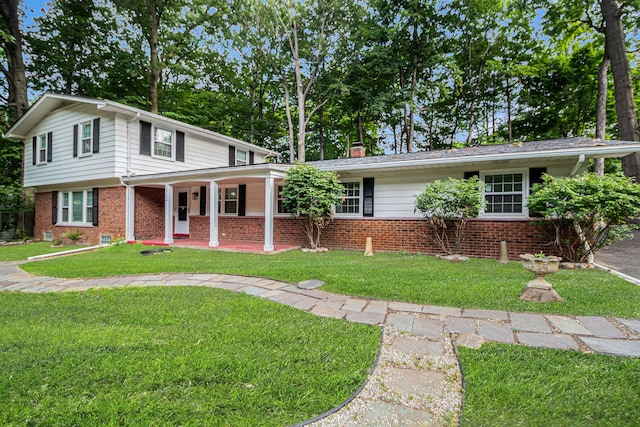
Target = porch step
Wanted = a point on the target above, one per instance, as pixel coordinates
(181, 236)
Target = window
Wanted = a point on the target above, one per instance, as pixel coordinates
(228, 200)
(241, 157)
(162, 143)
(105, 240)
(351, 199)
(86, 142)
(504, 193)
(281, 208)
(42, 148)
(77, 206)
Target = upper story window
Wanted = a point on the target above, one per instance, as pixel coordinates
(42, 148)
(162, 142)
(86, 138)
(241, 158)
(77, 207)
(351, 199)
(504, 193)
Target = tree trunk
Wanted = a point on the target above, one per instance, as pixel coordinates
(154, 72)
(18, 100)
(601, 110)
(321, 131)
(623, 89)
(509, 124)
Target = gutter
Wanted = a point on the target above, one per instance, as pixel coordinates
(579, 163)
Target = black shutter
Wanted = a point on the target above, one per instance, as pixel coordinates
(96, 135)
(54, 207)
(471, 174)
(49, 147)
(145, 138)
(75, 140)
(535, 175)
(251, 157)
(203, 200)
(367, 201)
(34, 141)
(242, 200)
(232, 156)
(94, 211)
(179, 146)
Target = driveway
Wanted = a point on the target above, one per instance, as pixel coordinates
(623, 256)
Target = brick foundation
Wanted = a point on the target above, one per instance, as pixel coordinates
(111, 217)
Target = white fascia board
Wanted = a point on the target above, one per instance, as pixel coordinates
(125, 109)
(590, 152)
(252, 171)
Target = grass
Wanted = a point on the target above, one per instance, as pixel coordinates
(519, 386)
(477, 283)
(16, 252)
(173, 356)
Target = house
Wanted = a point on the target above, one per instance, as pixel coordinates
(120, 172)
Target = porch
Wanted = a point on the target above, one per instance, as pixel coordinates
(224, 245)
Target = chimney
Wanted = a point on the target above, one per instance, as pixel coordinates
(357, 150)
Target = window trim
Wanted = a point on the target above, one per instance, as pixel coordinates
(81, 139)
(87, 219)
(154, 128)
(39, 139)
(279, 187)
(360, 200)
(525, 192)
(222, 199)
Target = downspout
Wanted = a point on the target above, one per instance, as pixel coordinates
(129, 171)
(129, 220)
(579, 163)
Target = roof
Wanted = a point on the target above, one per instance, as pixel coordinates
(50, 102)
(553, 148)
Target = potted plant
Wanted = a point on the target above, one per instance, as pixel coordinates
(538, 289)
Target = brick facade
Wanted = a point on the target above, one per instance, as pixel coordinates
(149, 213)
(111, 216)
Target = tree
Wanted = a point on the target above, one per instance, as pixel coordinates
(450, 201)
(587, 212)
(311, 194)
(14, 71)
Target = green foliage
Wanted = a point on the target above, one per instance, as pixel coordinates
(450, 201)
(311, 193)
(173, 356)
(512, 385)
(74, 235)
(587, 212)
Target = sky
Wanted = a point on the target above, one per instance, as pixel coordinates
(33, 9)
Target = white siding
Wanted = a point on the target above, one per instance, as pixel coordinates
(64, 168)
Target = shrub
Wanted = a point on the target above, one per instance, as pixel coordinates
(311, 193)
(74, 236)
(446, 202)
(586, 212)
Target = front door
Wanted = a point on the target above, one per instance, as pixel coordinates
(182, 215)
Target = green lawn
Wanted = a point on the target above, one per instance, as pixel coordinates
(511, 385)
(16, 252)
(173, 356)
(477, 283)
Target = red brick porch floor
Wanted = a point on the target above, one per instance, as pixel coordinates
(225, 245)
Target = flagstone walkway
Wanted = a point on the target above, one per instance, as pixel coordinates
(417, 379)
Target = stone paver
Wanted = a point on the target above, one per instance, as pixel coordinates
(401, 322)
(381, 413)
(529, 322)
(485, 314)
(377, 307)
(353, 304)
(568, 325)
(412, 345)
(412, 382)
(600, 327)
(493, 331)
(557, 341)
(405, 306)
(461, 326)
(444, 311)
(429, 328)
(365, 317)
(631, 323)
(613, 346)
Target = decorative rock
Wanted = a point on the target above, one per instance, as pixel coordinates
(453, 258)
(368, 248)
(310, 284)
(504, 253)
(315, 250)
(469, 340)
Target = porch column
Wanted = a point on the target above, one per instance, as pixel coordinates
(130, 213)
(168, 214)
(213, 215)
(269, 196)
